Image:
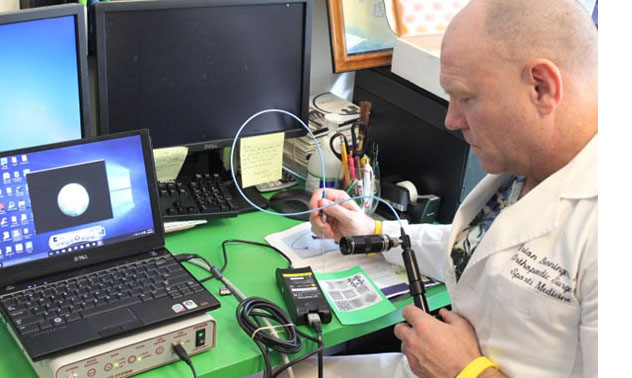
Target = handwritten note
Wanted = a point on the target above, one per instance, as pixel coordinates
(261, 159)
(169, 161)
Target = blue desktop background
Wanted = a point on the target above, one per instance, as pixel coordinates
(127, 181)
(39, 83)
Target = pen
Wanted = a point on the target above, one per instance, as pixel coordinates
(345, 162)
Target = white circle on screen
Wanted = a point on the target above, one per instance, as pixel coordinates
(73, 199)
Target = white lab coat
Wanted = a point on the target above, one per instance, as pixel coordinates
(530, 288)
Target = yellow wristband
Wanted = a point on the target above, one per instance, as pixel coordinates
(378, 227)
(476, 367)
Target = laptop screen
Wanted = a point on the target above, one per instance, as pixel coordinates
(72, 199)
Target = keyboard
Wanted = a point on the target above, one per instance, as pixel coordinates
(93, 294)
(204, 196)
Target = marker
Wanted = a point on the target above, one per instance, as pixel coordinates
(364, 161)
(352, 172)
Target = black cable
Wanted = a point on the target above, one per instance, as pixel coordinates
(320, 357)
(252, 310)
(249, 313)
(206, 279)
(189, 256)
(184, 356)
(289, 261)
(314, 320)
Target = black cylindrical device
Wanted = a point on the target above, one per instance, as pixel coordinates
(382, 243)
(366, 244)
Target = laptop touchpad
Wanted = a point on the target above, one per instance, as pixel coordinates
(114, 322)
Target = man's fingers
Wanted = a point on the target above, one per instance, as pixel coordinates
(341, 213)
(350, 205)
(415, 316)
(323, 230)
(315, 220)
(318, 230)
(316, 216)
(316, 197)
(402, 330)
(450, 317)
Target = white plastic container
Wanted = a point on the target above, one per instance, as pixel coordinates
(333, 167)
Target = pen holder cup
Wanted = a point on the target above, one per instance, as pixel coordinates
(356, 188)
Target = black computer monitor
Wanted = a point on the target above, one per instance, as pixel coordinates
(193, 71)
(43, 76)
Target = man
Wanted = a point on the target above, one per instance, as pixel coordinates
(520, 259)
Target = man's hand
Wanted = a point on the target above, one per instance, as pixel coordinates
(344, 219)
(434, 348)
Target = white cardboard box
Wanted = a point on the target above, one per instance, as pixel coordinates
(416, 59)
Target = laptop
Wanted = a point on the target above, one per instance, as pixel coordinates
(82, 252)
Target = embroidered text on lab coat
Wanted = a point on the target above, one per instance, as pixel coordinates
(541, 274)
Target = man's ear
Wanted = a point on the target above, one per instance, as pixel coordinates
(545, 80)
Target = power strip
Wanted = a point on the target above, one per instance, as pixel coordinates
(132, 354)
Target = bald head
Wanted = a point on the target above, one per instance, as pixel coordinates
(522, 79)
(516, 30)
(559, 30)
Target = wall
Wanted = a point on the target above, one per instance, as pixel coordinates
(322, 77)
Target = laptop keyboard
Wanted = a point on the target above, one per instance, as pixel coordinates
(80, 297)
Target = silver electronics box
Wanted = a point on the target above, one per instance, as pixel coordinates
(131, 354)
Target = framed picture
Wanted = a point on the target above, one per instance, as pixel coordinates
(360, 34)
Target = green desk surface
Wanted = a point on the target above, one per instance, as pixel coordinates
(251, 269)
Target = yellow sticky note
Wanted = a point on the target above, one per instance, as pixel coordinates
(261, 159)
(169, 161)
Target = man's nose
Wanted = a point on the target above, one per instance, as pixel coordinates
(454, 119)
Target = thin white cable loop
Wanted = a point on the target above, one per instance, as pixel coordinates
(322, 166)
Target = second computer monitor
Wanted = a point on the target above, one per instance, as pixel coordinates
(43, 76)
(192, 72)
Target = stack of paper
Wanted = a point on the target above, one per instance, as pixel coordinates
(296, 151)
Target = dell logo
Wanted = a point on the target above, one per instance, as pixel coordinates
(81, 258)
(210, 146)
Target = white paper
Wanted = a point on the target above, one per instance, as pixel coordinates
(182, 225)
(304, 248)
